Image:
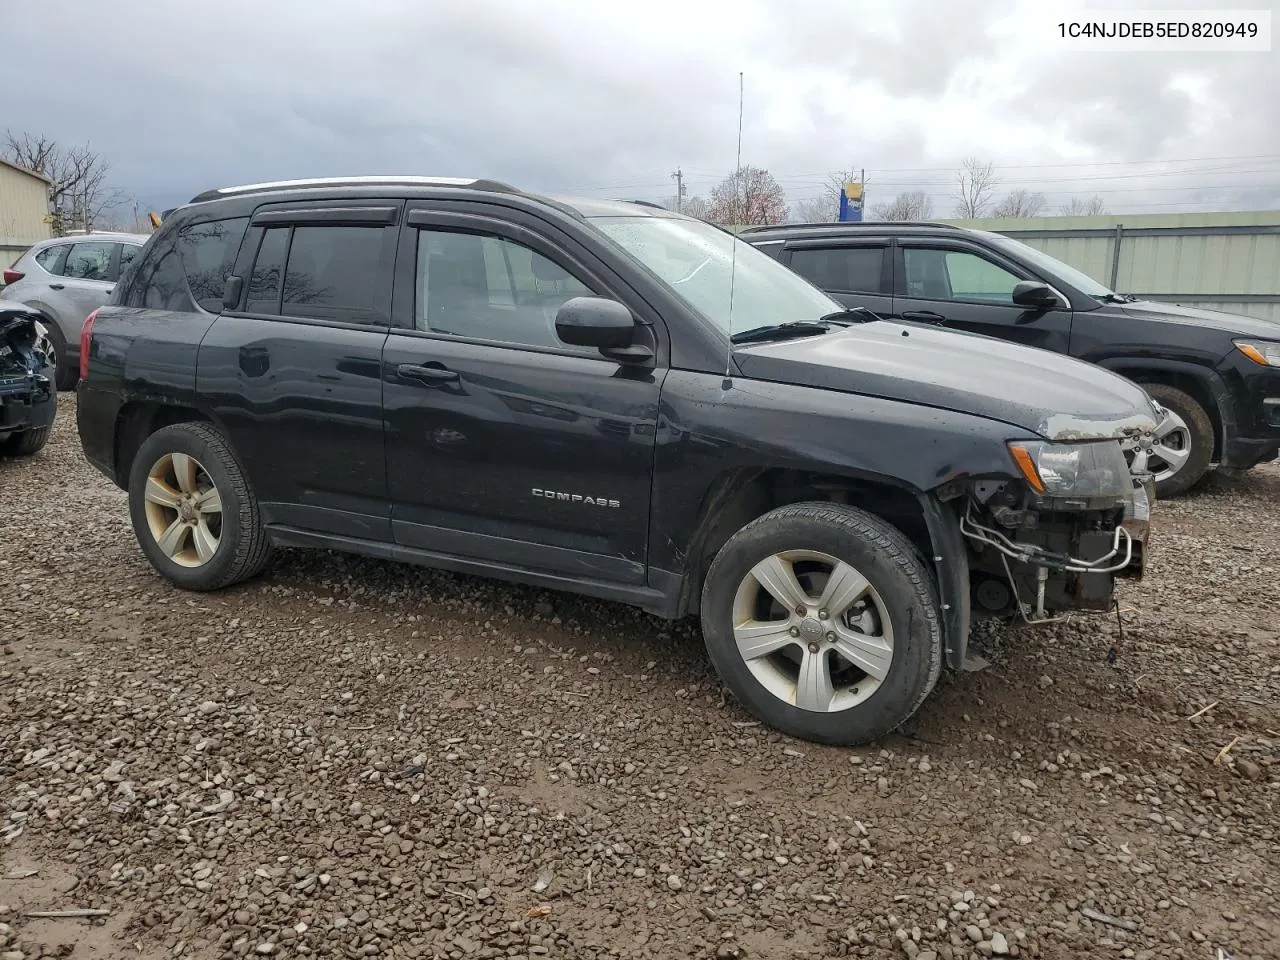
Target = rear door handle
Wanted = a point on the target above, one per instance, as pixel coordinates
(57, 286)
(429, 375)
(924, 316)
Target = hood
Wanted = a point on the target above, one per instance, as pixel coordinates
(1051, 395)
(1229, 323)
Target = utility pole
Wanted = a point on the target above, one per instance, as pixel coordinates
(678, 176)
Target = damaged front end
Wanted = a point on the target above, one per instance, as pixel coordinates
(1055, 540)
(28, 396)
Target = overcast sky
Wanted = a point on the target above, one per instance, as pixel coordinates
(604, 99)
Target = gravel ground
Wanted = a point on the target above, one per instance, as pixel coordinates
(349, 758)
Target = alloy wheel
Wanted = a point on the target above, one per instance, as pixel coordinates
(183, 509)
(812, 630)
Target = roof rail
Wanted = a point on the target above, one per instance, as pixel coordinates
(320, 182)
(645, 203)
(856, 224)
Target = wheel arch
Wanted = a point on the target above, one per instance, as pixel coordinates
(740, 495)
(139, 419)
(1198, 382)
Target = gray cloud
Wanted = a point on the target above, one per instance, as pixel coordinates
(570, 97)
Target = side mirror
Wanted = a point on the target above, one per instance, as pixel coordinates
(1036, 295)
(231, 293)
(595, 322)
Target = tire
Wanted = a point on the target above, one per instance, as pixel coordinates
(901, 595)
(26, 443)
(240, 548)
(1199, 430)
(66, 376)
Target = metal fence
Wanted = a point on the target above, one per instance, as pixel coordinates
(1219, 261)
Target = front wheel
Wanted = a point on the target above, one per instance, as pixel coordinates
(1183, 444)
(193, 511)
(26, 443)
(822, 621)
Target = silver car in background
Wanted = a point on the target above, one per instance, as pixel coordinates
(66, 279)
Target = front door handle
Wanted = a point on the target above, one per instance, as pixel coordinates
(924, 316)
(429, 375)
(57, 286)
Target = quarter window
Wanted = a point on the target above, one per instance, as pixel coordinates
(208, 256)
(490, 288)
(48, 257)
(956, 275)
(840, 269)
(89, 261)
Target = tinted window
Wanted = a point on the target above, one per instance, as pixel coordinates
(333, 273)
(490, 288)
(846, 269)
(186, 264)
(268, 267)
(48, 257)
(89, 261)
(128, 252)
(956, 275)
(208, 255)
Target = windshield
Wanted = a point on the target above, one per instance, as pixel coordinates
(1055, 268)
(696, 259)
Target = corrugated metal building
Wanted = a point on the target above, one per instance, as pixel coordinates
(1221, 261)
(24, 204)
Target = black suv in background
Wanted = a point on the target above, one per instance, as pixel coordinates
(1216, 375)
(609, 399)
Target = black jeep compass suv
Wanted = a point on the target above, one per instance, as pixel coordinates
(609, 399)
(1216, 375)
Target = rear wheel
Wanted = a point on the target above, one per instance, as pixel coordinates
(821, 620)
(66, 374)
(1183, 447)
(193, 510)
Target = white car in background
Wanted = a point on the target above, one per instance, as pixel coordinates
(66, 279)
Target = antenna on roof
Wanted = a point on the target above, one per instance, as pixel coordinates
(733, 256)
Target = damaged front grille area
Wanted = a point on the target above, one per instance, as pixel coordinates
(1035, 555)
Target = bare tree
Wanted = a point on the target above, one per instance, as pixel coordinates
(908, 205)
(976, 185)
(80, 194)
(1080, 207)
(813, 210)
(690, 206)
(748, 198)
(1019, 204)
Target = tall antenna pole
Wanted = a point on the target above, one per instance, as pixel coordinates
(737, 177)
(733, 257)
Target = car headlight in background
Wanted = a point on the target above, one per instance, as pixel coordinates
(1263, 352)
(1096, 469)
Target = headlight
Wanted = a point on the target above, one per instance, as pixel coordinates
(1263, 352)
(1096, 469)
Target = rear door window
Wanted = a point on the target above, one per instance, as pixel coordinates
(268, 268)
(332, 273)
(128, 251)
(840, 269)
(89, 261)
